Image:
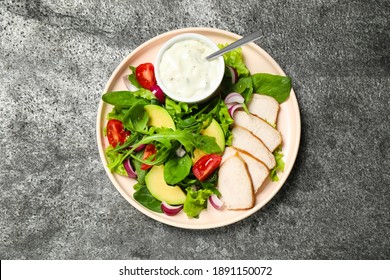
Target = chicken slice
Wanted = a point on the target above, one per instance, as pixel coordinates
(256, 168)
(270, 136)
(229, 152)
(258, 171)
(235, 185)
(265, 107)
(244, 140)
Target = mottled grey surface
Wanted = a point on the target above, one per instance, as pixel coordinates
(56, 202)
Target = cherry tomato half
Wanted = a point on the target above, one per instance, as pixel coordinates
(116, 133)
(145, 75)
(206, 165)
(150, 150)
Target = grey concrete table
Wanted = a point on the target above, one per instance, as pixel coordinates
(56, 201)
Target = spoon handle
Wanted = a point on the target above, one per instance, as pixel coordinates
(236, 44)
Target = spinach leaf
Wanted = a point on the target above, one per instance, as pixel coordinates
(244, 86)
(127, 98)
(278, 87)
(120, 98)
(132, 78)
(144, 197)
(211, 183)
(176, 169)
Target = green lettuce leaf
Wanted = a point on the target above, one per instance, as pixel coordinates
(178, 109)
(117, 113)
(235, 59)
(114, 161)
(196, 201)
(279, 167)
(225, 120)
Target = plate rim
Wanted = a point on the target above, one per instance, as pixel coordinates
(153, 215)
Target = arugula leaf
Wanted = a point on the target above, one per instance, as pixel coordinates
(137, 165)
(189, 140)
(278, 87)
(144, 197)
(279, 164)
(196, 201)
(176, 169)
(205, 143)
(197, 120)
(235, 59)
(136, 118)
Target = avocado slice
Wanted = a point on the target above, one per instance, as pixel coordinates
(159, 117)
(157, 186)
(213, 130)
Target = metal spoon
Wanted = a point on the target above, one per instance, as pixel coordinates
(236, 44)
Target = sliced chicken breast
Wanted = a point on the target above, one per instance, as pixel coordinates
(229, 152)
(265, 107)
(270, 136)
(235, 185)
(256, 168)
(244, 140)
(258, 171)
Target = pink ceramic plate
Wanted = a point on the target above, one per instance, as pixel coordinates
(288, 124)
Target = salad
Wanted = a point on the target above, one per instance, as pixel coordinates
(174, 149)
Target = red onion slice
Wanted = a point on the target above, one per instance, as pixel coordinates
(234, 74)
(170, 210)
(129, 169)
(157, 91)
(232, 108)
(234, 97)
(129, 85)
(215, 201)
(139, 148)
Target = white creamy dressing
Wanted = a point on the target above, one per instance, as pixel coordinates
(184, 69)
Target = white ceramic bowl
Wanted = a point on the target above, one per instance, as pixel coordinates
(214, 80)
